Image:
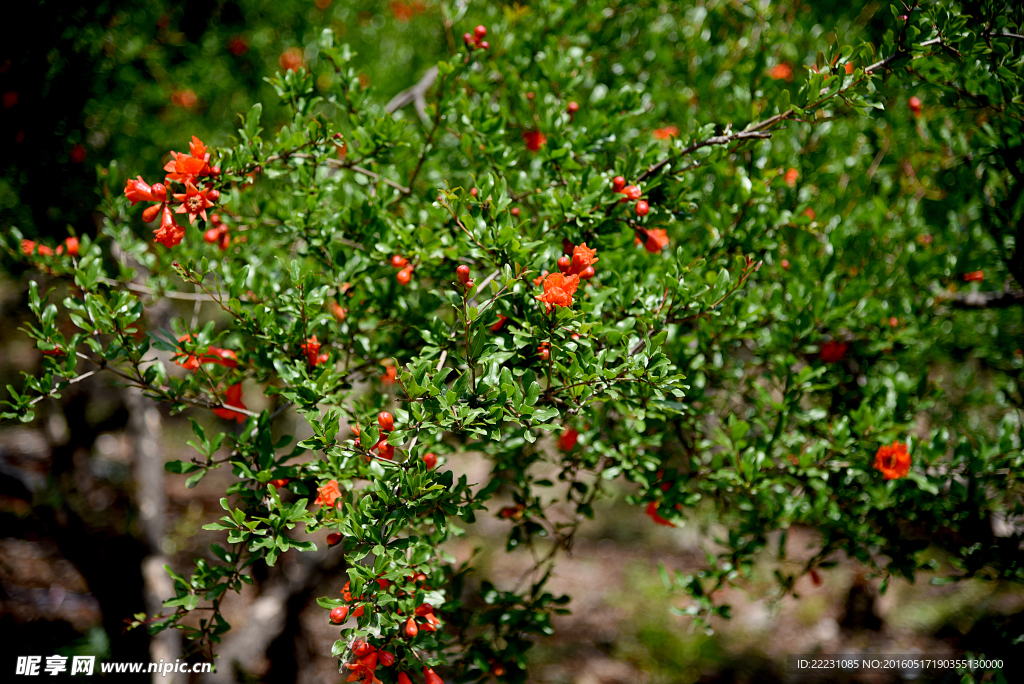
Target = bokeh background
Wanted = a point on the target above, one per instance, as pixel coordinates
(86, 527)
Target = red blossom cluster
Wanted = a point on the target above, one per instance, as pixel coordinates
(185, 170)
(32, 248)
(386, 422)
(560, 287)
(366, 656)
(476, 38)
(217, 233)
(221, 357)
(632, 193)
(405, 269)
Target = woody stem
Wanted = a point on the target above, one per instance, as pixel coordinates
(469, 361)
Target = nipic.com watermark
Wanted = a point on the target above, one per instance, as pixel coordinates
(35, 666)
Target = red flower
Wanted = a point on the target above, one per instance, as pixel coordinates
(833, 352)
(496, 327)
(558, 290)
(193, 202)
(238, 46)
(70, 244)
(77, 154)
(405, 11)
(403, 678)
(893, 461)
(363, 668)
(582, 257)
(431, 676)
(56, 351)
(339, 311)
(221, 357)
(974, 275)
(232, 397)
(534, 140)
(290, 59)
(781, 72)
(326, 496)
(915, 105)
(568, 439)
(390, 375)
(169, 234)
(652, 511)
(29, 247)
(653, 239)
(139, 191)
(184, 98)
(311, 348)
(430, 459)
(539, 279)
(791, 177)
(667, 132)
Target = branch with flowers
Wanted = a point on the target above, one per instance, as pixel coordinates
(555, 296)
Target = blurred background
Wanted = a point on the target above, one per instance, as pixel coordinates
(86, 519)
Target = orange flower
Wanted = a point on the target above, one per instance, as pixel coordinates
(781, 72)
(194, 202)
(534, 140)
(654, 239)
(29, 247)
(187, 167)
(326, 496)
(652, 511)
(559, 289)
(582, 257)
(137, 190)
(71, 244)
(974, 275)
(232, 397)
(221, 357)
(184, 98)
(893, 461)
(667, 132)
(791, 177)
(290, 59)
(405, 11)
(390, 376)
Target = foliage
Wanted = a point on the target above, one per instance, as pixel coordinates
(803, 291)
